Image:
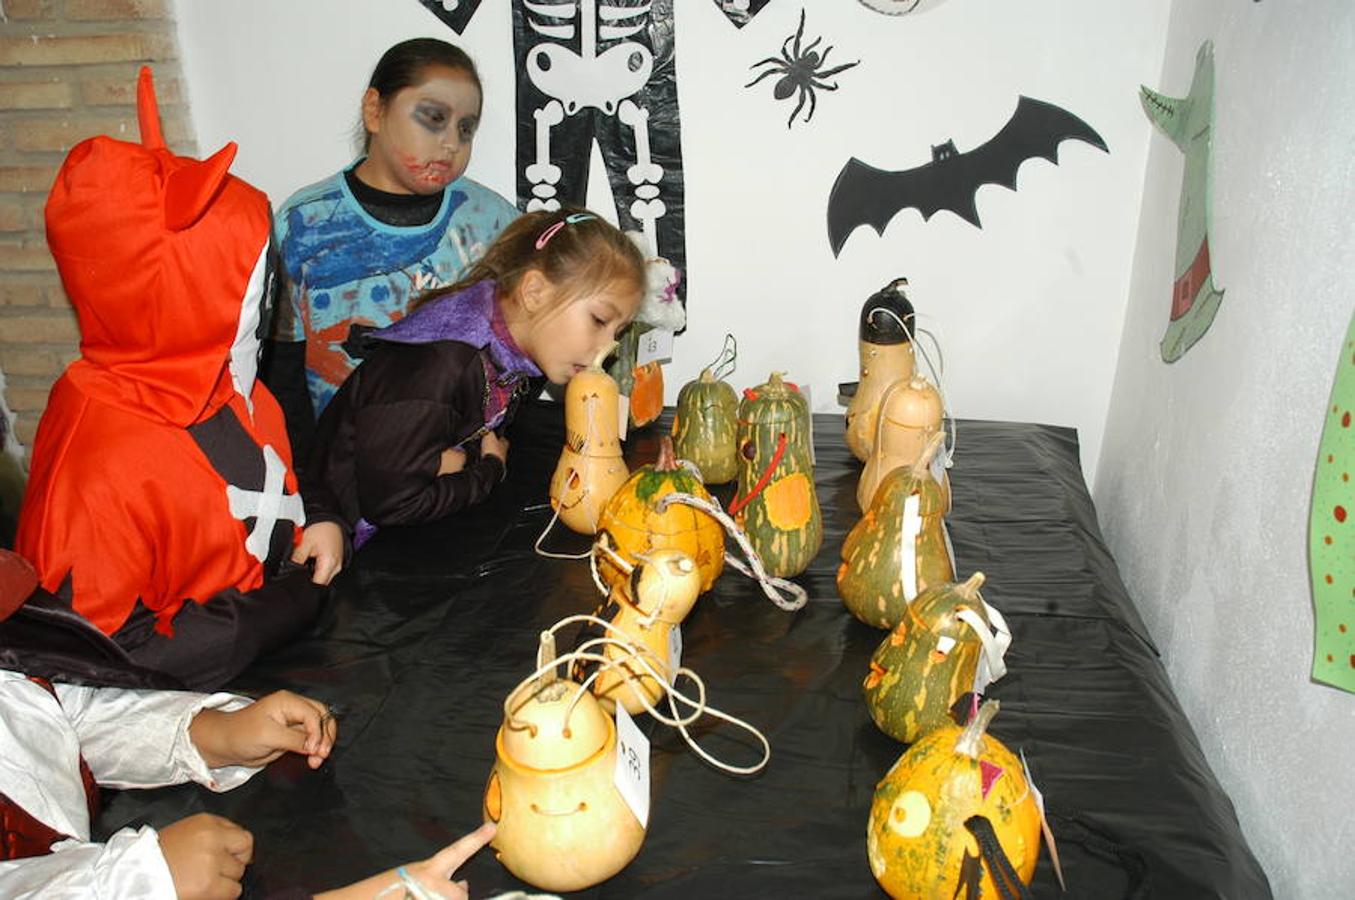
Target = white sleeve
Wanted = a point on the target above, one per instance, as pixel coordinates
(129, 865)
(139, 739)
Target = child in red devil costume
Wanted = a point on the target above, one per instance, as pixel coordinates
(161, 500)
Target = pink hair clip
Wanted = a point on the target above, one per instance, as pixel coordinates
(570, 219)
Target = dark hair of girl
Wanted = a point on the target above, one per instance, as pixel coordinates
(578, 258)
(406, 64)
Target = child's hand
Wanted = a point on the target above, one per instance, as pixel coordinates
(453, 461)
(206, 855)
(322, 542)
(493, 445)
(264, 730)
(433, 874)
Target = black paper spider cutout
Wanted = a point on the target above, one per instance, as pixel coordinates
(800, 70)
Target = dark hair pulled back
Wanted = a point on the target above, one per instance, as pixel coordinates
(407, 63)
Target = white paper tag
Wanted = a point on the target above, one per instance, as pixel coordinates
(674, 651)
(950, 549)
(622, 416)
(632, 765)
(1050, 843)
(939, 463)
(908, 532)
(655, 345)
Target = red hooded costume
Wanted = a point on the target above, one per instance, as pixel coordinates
(162, 469)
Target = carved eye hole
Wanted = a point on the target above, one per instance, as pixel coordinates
(748, 450)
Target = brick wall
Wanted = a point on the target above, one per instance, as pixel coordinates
(67, 72)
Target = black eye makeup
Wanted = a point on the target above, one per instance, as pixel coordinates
(432, 116)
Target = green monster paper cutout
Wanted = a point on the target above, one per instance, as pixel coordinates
(1331, 544)
(1189, 123)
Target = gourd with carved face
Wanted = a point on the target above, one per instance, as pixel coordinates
(900, 546)
(910, 413)
(633, 526)
(705, 427)
(949, 643)
(776, 504)
(562, 823)
(951, 785)
(590, 468)
(645, 608)
(885, 347)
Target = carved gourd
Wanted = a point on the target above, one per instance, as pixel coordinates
(899, 547)
(590, 468)
(776, 504)
(885, 347)
(951, 785)
(562, 823)
(910, 413)
(705, 427)
(646, 608)
(949, 643)
(633, 525)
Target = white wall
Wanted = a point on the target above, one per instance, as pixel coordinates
(1206, 472)
(1028, 309)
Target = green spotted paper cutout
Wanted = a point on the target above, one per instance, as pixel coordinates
(1189, 122)
(1331, 543)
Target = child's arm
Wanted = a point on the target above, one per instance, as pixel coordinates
(129, 864)
(156, 738)
(432, 876)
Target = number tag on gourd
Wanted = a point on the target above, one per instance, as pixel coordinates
(655, 346)
(912, 527)
(622, 416)
(940, 462)
(808, 393)
(632, 765)
(1044, 821)
(674, 651)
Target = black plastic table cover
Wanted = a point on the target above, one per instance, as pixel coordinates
(431, 627)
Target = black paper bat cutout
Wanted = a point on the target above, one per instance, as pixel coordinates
(865, 195)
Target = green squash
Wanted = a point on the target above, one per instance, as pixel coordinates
(705, 428)
(776, 504)
(898, 549)
(932, 659)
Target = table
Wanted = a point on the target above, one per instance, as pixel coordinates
(432, 626)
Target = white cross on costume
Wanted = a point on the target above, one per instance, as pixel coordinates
(266, 507)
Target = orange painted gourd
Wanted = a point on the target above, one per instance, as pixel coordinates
(776, 504)
(885, 348)
(590, 468)
(633, 525)
(706, 425)
(917, 839)
(910, 413)
(899, 548)
(929, 661)
(646, 608)
(562, 824)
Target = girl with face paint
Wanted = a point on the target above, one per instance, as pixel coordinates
(357, 247)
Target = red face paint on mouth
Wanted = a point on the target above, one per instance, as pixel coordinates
(433, 174)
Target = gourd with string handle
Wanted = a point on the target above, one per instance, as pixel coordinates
(562, 823)
(706, 424)
(590, 467)
(646, 607)
(636, 525)
(955, 817)
(885, 347)
(776, 504)
(910, 413)
(949, 643)
(900, 546)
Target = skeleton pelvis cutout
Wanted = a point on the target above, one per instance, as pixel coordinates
(562, 823)
(645, 608)
(590, 468)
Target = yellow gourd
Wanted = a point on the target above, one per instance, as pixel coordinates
(562, 823)
(590, 467)
(910, 413)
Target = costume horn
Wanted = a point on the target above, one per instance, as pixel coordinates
(190, 190)
(148, 111)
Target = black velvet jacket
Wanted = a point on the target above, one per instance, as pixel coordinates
(379, 442)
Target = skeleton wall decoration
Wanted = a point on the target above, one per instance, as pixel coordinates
(597, 70)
